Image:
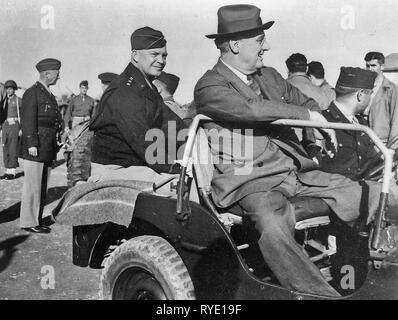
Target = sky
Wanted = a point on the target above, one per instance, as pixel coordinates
(93, 36)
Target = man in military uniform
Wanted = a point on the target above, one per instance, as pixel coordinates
(356, 155)
(106, 79)
(167, 84)
(80, 109)
(11, 128)
(41, 123)
(128, 109)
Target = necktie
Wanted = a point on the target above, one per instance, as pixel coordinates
(253, 85)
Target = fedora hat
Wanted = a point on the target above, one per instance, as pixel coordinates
(236, 19)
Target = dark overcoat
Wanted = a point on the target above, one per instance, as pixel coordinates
(129, 110)
(41, 121)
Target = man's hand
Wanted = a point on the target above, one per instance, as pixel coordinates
(32, 151)
(316, 116)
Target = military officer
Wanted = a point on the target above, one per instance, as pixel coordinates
(80, 109)
(128, 109)
(167, 84)
(41, 123)
(356, 155)
(11, 128)
(106, 79)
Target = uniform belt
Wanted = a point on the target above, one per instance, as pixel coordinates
(13, 118)
(82, 117)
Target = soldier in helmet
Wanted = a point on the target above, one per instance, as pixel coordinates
(11, 129)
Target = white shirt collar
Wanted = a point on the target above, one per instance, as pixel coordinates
(239, 74)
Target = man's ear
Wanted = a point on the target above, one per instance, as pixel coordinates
(134, 55)
(234, 46)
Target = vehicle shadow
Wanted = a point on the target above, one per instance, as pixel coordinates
(11, 213)
(8, 250)
(55, 193)
(58, 163)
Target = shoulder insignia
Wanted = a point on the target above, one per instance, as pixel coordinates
(129, 81)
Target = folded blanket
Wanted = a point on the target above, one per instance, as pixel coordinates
(100, 202)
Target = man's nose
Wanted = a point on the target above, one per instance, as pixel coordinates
(265, 46)
(161, 60)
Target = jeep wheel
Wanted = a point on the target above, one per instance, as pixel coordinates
(145, 268)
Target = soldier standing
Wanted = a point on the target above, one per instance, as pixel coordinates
(80, 108)
(41, 122)
(11, 128)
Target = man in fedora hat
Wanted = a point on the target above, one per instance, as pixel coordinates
(241, 93)
(129, 108)
(41, 123)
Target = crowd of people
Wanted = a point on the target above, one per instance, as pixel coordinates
(237, 93)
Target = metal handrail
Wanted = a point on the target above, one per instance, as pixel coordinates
(387, 153)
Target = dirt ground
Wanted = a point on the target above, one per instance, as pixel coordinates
(28, 261)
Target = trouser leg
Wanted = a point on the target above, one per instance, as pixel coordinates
(12, 146)
(32, 193)
(348, 199)
(273, 216)
(4, 139)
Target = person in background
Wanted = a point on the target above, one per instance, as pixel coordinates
(106, 79)
(80, 109)
(382, 111)
(316, 72)
(11, 130)
(41, 123)
(297, 76)
(167, 84)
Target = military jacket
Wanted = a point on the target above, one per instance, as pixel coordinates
(40, 122)
(129, 109)
(12, 106)
(79, 106)
(356, 155)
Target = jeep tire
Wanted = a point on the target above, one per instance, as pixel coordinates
(145, 268)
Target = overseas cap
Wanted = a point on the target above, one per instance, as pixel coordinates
(84, 83)
(170, 80)
(11, 84)
(147, 38)
(356, 78)
(107, 76)
(48, 64)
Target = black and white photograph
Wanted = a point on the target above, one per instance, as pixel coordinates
(201, 150)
